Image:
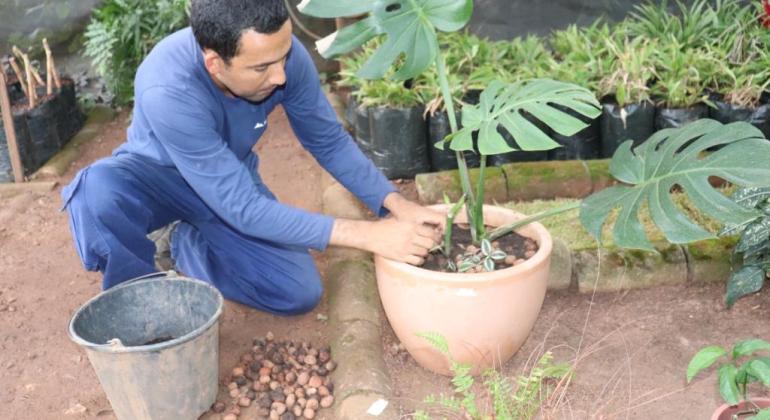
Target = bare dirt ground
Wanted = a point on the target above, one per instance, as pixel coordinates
(634, 346)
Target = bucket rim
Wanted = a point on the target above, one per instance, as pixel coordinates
(109, 348)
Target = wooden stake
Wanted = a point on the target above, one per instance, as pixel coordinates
(31, 92)
(38, 79)
(48, 67)
(10, 131)
(30, 83)
(17, 72)
(49, 57)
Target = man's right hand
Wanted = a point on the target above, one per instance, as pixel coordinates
(401, 241)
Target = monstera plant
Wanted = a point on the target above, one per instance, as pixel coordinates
(487, 314)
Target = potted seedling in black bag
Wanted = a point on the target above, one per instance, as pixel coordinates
(387, 116)
(627, 111)
(582, 59)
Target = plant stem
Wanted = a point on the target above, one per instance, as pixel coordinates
(478, 210)
(506, 229)
(450, 218)
(462, 166)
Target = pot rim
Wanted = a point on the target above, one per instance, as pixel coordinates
(545, 245)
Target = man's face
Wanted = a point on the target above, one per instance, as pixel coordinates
(258, 67)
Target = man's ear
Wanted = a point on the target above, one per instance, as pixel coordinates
(213, 62)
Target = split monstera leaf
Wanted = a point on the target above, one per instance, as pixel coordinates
(530, 111)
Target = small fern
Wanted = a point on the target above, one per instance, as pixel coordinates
(508, 402)
(122, 32)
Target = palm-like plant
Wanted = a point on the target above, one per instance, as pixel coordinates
(670, 158)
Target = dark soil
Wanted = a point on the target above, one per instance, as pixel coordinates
(517, 249)
(158, 340)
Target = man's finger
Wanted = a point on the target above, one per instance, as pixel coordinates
(423, 242)
(418, 250)
(428, 231)
(414, 260)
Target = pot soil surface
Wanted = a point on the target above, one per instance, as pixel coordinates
(517, 248)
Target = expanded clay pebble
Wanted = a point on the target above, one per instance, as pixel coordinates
(284, 380)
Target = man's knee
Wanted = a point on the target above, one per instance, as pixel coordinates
(305, 299)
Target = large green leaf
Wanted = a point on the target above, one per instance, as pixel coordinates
(727, 386)
(704, 359)
(674, 158)
(410, 27)
(503, 105)
(748, 347)
(747, 280)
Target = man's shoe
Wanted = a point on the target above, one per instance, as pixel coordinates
(162, 239)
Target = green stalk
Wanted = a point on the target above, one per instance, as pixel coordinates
(465, 179)
(478, 210)
(450, 218)
(506, 229)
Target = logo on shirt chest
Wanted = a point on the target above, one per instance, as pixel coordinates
(260, 125)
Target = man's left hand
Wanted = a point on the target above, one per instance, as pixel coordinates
(409, 211)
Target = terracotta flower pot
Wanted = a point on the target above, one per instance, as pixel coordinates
(726, 412)
(485, 317)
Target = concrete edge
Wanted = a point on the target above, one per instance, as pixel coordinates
(61, 161)
(356, 397)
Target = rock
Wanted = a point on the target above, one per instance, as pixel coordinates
(315, 381)
(529, 254)
(279, 407)
(264, 379)
(327, 401)
(310, 360)
(232, 385)
(297, 411)
(244, 402)
(330, 365)
(238, 372)
(291, 377)
(230, 416)
(312, 404)
(323, 391)
(263, 371)
(240, 380)
(274, 385)
(235, 392)
(218, 407)
(288, 416)
(263, 413)
(311, 391)
(277, 395)
(303, 378)
(308, 414)
(324, 356)
(274, 415)
(269, 336)
(290, 400)
(510, 260)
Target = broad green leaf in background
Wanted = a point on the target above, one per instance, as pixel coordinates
(503, 105)
(747, 280)
(727, 386)
(748, 347)
(703, 359)
(671, 158)
(409, 25)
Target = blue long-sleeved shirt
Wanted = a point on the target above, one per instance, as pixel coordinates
(183, 120)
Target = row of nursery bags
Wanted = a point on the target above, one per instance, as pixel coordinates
(400, 141)
(41, 131)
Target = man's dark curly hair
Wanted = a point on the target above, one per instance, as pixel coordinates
(218, 24)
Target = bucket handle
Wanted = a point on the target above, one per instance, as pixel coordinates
(156, 274)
